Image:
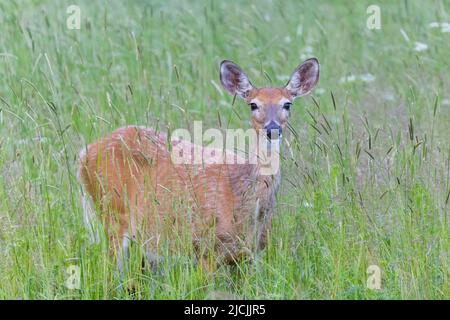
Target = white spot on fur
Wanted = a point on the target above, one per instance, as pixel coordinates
(82, 154)
(89, 216)
(90, 219)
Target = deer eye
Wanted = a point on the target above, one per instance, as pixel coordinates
(287, 106)
(253, 106)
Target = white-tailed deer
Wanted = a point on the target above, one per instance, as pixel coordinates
(227, 208)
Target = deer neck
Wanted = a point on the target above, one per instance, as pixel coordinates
(267, 171)
(257, 179)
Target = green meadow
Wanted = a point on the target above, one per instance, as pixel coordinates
(366, 161)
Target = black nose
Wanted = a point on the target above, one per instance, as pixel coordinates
(273, 131)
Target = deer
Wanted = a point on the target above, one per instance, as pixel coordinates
(130, 181)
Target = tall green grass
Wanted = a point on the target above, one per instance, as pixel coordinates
(365, 178)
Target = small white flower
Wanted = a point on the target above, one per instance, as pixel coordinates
(420, 46)
(287, 39)
(446, 102)
(224, 103)
(307, 204)
(282, 77)
(445, 27)
(304, 56)
(319, 91)
(349, 78)
(434, 25)
(388, 96)
(299, 30)
(367, 77)
(308, 49)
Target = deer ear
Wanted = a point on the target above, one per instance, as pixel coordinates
(234, 80)
(304, 78)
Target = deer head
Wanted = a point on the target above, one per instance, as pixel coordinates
(271, 106)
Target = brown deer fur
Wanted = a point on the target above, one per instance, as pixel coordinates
(227, 208)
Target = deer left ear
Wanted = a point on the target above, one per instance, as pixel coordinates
(304, 78)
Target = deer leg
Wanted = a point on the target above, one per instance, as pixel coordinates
(207, 263)
(205, 258)
(152, 259)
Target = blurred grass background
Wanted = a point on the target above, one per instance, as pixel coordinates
(365, 179)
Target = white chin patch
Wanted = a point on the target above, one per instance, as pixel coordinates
(277, 140)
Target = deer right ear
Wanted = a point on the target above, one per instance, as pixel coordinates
(234, 80)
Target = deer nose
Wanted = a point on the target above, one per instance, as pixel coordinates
(273, 130)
